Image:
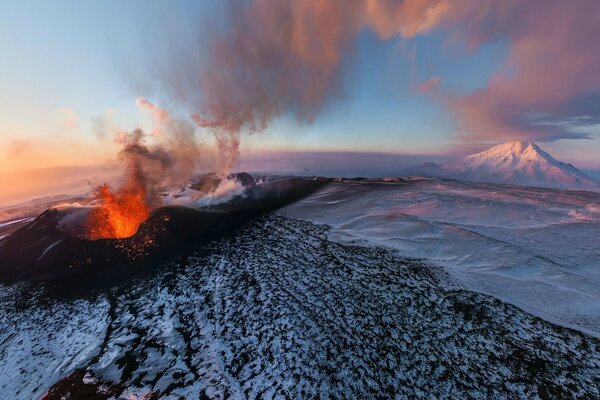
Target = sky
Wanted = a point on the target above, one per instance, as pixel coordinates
(436, 78)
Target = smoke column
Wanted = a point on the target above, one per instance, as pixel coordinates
(272, 57)
(169, 163)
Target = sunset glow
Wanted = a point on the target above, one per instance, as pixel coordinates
(299, 199)
(419, 90)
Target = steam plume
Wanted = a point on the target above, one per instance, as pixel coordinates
(166, 165)
(171, 160)
(274, 57)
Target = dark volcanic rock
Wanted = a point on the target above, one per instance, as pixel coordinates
(42, 249)
(79, 386)
(278, 311)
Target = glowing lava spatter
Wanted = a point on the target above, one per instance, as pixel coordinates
(168, 163)
(120, 213)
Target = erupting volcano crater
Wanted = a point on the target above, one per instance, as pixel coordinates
(123, 231)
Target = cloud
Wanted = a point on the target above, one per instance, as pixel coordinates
(429, 85)
(68, 118)
(102, 125)
(18, 147)
(273, 57)
(552, 69)
(159, 116)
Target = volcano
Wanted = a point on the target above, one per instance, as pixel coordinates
(48, 248)
(521, 163)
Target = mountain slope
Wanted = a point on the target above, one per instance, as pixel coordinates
(516, 162)
(265, 313)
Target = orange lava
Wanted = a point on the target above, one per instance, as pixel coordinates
(120, 213)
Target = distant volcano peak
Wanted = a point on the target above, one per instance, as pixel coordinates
(511, 154)
(517, 147)
(520, 162)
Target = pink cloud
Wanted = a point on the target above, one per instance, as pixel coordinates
(159, 116)
(429, 85)
(280, 56)
(553, 59)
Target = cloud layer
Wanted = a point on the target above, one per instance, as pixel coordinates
(274, 57)
(549, 78)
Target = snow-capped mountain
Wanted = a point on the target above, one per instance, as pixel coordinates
(515, 162)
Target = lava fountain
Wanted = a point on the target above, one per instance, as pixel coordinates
(120, 213)
(122, 210)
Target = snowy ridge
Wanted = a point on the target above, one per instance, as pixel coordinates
(535, 248)
(519, 163)
(278, 311)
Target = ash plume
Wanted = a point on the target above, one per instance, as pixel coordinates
(159, 116)
(276, 57)
(273, 57)
(170, 162)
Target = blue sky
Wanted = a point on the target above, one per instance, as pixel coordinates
(93, 57)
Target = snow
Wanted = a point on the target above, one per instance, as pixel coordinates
(8, 223)
(391, 291)
(49, 248)
(279, 311)
(535, 248)
(41, 342)
(517, 162)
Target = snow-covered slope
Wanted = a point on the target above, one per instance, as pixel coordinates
(394, 294)
(535, 248)
(279, 311)
(519, 163)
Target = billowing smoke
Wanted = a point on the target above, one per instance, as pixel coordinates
(174, 156)
(169, 163)
(160, 117)
(277, 56)
(273, 57)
